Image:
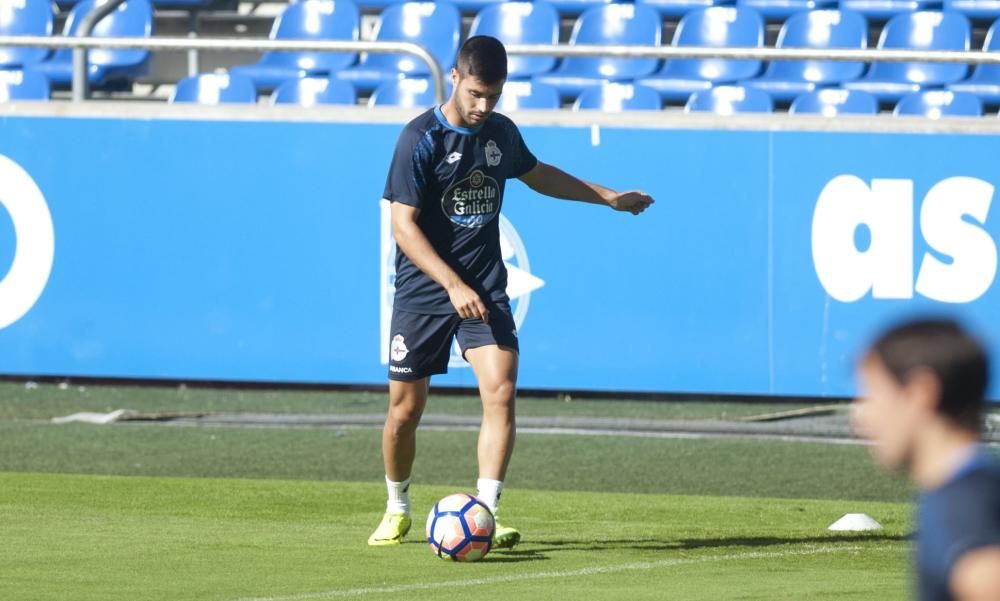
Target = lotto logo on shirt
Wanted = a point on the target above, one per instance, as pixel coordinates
(472, 202)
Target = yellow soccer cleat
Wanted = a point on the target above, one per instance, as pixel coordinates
(391, 531)
(505, 538)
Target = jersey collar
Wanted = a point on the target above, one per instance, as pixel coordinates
(462, 130)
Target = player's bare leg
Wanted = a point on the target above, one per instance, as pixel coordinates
(496, 371)
(399, 447)
(399, 435)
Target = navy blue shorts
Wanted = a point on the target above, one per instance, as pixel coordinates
(420, 345)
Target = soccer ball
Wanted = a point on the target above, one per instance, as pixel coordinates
(460, 527)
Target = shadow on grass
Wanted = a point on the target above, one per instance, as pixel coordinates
(755, 542)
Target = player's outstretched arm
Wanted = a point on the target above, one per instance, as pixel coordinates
(412, 241)
(552, 181)
(976, 575)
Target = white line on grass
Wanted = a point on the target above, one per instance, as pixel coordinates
(592, 571)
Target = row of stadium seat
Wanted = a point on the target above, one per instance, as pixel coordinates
(435, 25)
(772, 9)
(212, 89)
(413, 93)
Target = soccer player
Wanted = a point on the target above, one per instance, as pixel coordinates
(446, 186)
(923, 385)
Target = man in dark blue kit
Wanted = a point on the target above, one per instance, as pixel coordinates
(446, 185)
(923, 385)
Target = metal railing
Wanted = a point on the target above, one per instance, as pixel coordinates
(181, 44)
(437, 74)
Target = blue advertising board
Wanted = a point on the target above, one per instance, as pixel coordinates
(259, 251)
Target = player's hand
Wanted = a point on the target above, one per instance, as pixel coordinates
(633, 201)
(467, 303)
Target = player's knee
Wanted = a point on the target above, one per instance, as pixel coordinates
(500, 394)
(402, 423)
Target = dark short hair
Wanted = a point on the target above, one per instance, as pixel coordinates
(954, 356)
(484, 58)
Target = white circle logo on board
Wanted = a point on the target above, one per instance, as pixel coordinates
(34, 242)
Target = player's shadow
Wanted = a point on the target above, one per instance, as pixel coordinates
(752, 542)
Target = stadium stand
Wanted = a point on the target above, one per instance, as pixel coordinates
(975, 9)
(939, 103)
(407, 93)
(729, 100)
(985, 79)
(29, 18)
(831, 102)
(785, 80)
(673, 9)
(215, 88)
(881, 10)
(779, 10)
(311, 91)
(618, 97)
(23, 85)
(715, 26)
(528, 95)
(575, 7)
(924, 30)
(132, 19)
(627, 24)
(306, 20)
(521, 23)
(434, 25)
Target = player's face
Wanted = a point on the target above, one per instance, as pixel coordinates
(885, 414)
(474, 100)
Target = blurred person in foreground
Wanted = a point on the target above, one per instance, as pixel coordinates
(923, 385)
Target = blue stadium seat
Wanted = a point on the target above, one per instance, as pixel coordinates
(30, 18)
(521, 23)
(715, 26)
(306, 20)
(215, 88)
(310, 91)
(433, 25)
(881, 10)
(975, 9)
(729, 100)
(575, 7)
(406, 93)
(831, 102)
(785, 80)
(985, 79)
(926, 30)
(939, 103)
(673, 9)
(611, 24)
(618, 97)
(779, 10)
(471, 6)
(528, 95)
(23, 85)
(132, 19)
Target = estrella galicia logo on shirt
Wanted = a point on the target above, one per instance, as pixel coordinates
(472, 202)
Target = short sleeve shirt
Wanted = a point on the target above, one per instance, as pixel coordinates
(456, 177)
(953, 519)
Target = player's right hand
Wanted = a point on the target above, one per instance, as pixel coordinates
(467, 303)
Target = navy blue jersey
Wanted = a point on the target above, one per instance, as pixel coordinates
(456, 177)
(961, 515)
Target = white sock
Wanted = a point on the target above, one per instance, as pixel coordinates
(399, 496)
(488, 491)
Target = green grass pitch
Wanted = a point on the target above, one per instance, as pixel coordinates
(162, 512)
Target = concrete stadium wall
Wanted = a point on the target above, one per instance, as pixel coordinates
(250, 245)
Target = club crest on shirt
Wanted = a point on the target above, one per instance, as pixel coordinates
(493, 154)
(472, 202)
